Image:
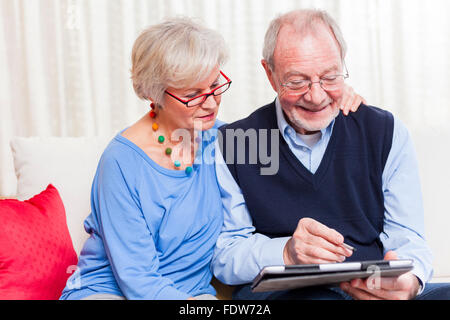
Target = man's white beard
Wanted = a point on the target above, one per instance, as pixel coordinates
(317, 126)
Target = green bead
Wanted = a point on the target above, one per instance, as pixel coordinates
(161, 139)
(177, 163)
(188, 170)
(168, 151)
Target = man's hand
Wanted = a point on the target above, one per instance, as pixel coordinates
(350, 101)
(403, 287)
(313, 242)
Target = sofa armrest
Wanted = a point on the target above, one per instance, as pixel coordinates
(440, 279)
(224, 292)
(4, 198)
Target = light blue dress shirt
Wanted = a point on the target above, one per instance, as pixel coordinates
(240, 252)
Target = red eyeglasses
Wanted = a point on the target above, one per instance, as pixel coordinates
(198, 100)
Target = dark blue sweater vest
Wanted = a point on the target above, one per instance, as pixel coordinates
(345, 193)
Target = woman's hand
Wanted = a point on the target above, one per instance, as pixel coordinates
(350, 100)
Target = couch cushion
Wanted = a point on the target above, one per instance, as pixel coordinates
(69, 164)
(36, 252)
(433, 162)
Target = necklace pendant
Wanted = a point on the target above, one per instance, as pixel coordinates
(188, 170)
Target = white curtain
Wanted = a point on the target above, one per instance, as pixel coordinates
(64, 64)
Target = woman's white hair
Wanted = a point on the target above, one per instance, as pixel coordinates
(175, 53)
(304, 21)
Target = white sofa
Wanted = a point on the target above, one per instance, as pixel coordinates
(70, 164)
(432, 156)
(67, 163)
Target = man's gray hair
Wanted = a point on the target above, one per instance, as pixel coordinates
(303, 21)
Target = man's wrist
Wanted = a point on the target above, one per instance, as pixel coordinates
(419, 287)
(286, 258)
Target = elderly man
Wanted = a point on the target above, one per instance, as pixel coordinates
(336, 177)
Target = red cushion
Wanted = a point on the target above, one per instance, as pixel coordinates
(35, 247)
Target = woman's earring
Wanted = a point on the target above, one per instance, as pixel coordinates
(152, 113)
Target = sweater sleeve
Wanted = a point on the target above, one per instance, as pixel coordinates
(128, 242)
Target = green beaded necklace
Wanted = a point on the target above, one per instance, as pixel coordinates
(168, 150)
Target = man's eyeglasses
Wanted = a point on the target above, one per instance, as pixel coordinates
(198, 100)
(328, 83)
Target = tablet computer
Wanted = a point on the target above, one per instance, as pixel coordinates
(287, 277)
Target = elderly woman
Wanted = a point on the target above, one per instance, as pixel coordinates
(156, 207)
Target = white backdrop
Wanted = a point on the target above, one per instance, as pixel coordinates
(64, 68)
